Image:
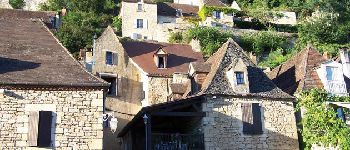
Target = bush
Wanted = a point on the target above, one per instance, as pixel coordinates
(117, 23)
(176, 37)
(17, 4)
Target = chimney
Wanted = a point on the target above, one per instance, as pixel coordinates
(325, 55)
(252, 57)
(94, 49)
(345, 60)
(195, 44)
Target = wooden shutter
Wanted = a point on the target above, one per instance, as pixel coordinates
(221, 15)
(115, 59)
(120, 84)
(145, 23)
(33, 128)
(247, 117)
(135, 24)
(45, 122)
(214, 14)
(257, 124)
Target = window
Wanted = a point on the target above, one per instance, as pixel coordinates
(216, 14)
(139, 7)
(39, 128)
(239, 77)
(161, 62)
(113, 88)
(111, 58)
(145, 37)
(330, 72)
(139, 23)
(251, 117)
(178, 13)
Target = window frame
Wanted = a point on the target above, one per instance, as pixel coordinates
(139, 23)
(139, 7)
(240, 79)
(255, 127)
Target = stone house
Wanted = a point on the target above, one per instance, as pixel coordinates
(32, 5)
(229, 104)
(47, 99)
(140, 73)
(141, 17)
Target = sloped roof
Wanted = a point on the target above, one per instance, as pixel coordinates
(201, 67)
(299, 72)
(169, 9)
(31, 56)
(23, 14)
(217, 3)
(217, 83)
(179, 56)
(135, 1)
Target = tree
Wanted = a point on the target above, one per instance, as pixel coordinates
(17, 4)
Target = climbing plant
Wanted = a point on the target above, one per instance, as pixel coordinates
(207, 11)
(320, 122)
(17, 4)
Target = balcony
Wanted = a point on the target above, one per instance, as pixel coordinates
(162, 141)
(337, 88)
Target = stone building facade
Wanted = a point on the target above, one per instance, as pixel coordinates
(229, 104)
(131, 67)
(32, 5)
(47, 99)
(223, 125)
(76, 123)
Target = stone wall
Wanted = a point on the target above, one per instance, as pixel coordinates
(32, 5)
(223, 127)
(77, 119)
(159, 89)
(129, 14)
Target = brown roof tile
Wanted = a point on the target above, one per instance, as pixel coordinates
(299, 72)
(179, 58)
(201, 67)
(31, 56)
(23, 14)
(135, 1)
(169, 9)
(217, 3)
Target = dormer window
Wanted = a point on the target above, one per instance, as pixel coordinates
(161, 58)
(239, 78)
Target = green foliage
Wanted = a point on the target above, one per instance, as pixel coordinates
(263, 41)
(276, 58)
(176, 37)
(320, 124)
(207, 11)
(192, 20)
(210, 39)
(117, 23)
(17, 4)
(84, 19)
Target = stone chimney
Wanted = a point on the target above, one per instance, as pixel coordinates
(326, 55)
(252, 57)
(196, 45)
(345, 60)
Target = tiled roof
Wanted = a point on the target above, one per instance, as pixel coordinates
(299, 72)
(23, 14)
(217, 3)
(178, 88)
(217, 83)
(179, 58)
(169, 9)
(135, 1)
(201, 67)
(31, 56)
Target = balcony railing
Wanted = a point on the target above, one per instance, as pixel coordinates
(337, 87)
(162, 141)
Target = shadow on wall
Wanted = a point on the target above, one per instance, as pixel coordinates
(175, 60)
(13, 65)
(110, 139)
(287, 81)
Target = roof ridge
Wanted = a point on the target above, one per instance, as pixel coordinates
(67, 51)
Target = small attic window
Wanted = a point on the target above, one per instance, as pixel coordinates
(239, 78)
(161, 58)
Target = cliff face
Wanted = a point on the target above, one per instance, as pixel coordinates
(32, 5)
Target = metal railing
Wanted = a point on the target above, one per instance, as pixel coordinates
(164, 141)
(337, 87)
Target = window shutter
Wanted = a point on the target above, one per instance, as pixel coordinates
(214, 14)
(135, 24)
(340, 114)
(45, 122)
(145, 25)
(221, 14)
(247, 117)
(115, 59)
(33, 128)
(257, 125)
(116, 86)
(120, 84)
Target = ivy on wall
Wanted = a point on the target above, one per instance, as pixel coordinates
(207, 11)
(320, 122)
